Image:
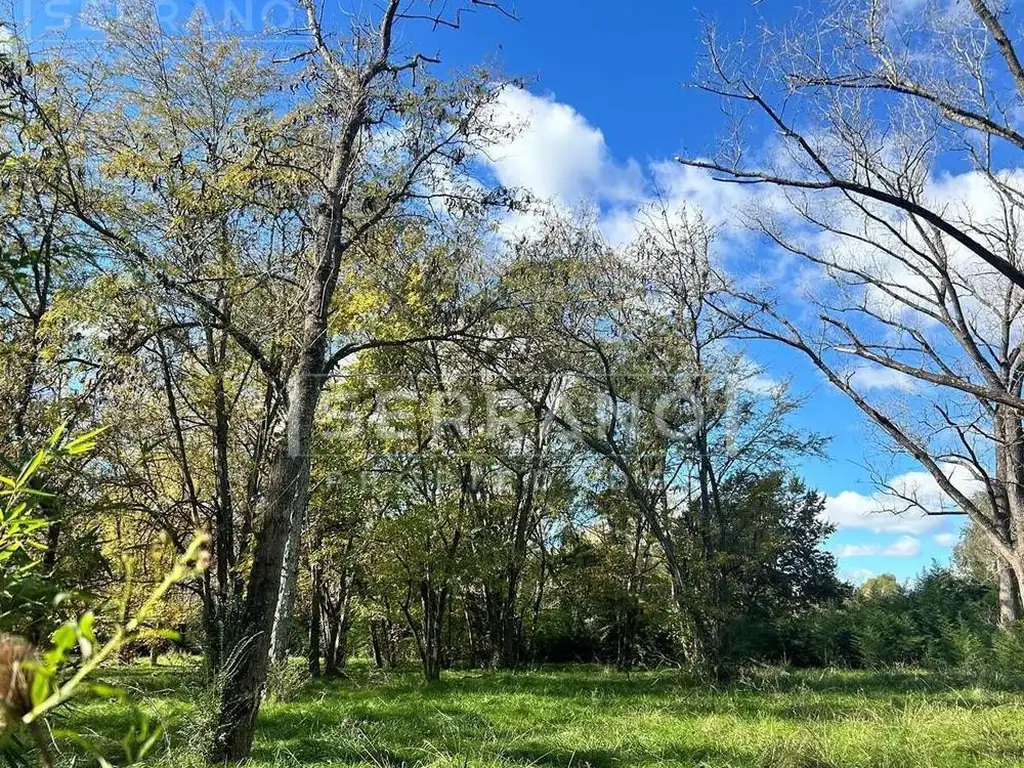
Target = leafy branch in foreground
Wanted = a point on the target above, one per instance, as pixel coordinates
(38, 674)
(80, 633)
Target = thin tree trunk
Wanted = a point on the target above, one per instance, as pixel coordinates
(224, 544)
(508, 656)
(314, 622)
(213, 626)
(433, 612)
(375, 649)
(380, 643)
(339, 619)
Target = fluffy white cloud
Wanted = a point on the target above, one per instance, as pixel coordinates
(946, 539)
(857, 550)
(904, 546)
(557, 155)
(901, 508)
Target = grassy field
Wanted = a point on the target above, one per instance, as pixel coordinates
(590, 717)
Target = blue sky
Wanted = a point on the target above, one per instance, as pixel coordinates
(606, 86)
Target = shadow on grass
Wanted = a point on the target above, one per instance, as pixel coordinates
(610, 758)
(599, 682)
(886, 683)
(307, 751)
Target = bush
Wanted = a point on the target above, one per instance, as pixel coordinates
(944, 621)
(1007, 657)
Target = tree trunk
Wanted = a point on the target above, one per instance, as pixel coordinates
(1009, 597)
(432, 647)
(314, 623)
(528, 485)
(380, 643)
(376, 652)
(281, 634)
(538, 601)
(508, 656)
(429, 636)
(224, 543)
(287, 486)
(213, 626)
(1007, 496)
(337, 651)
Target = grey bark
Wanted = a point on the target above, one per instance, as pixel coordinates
(1009, 597)
(281, 632)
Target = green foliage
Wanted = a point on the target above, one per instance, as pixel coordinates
(1008, 651)
(944, 620)
(74, 653)
(24, 591)
(287, 682)
(146, 241)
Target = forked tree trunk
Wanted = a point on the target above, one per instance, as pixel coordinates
(337, 647)
(339, 619)
(428, 631)
(247, 671)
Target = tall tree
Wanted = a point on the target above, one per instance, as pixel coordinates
(923, 282)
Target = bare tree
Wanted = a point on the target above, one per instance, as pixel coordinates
(923, 282)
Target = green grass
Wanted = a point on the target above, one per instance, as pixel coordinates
(588, 716)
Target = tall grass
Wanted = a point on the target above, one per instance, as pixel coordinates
(589, 716)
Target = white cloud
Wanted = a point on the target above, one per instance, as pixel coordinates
(877, 377)
(563, 160)
(904, 546)
(557, 155)
(945, 539)
(857, 550)
(749, 376)
(971, 201)
(900, 510)
(761, 384)
(720, 202)
(851, 509)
